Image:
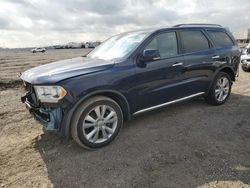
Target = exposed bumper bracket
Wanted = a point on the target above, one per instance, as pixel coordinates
(49, 118)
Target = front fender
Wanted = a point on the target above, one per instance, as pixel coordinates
(65, 126)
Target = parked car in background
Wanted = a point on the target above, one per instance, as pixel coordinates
(90, 97)
(58, 46)
(92, 44)
(35, 50)
(74, 45)
(245, 59)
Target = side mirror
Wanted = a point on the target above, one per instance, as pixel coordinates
(150, 55)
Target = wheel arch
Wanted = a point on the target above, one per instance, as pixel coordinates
(115, 95)
(227, 70)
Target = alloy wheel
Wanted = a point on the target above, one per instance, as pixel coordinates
(222, 89)
(99, 124)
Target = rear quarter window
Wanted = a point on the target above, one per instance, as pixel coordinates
(220, 38)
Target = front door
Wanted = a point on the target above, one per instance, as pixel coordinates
(160, 81)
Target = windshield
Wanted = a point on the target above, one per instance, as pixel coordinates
(118, 46)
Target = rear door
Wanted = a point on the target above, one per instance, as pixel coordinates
(199, 56)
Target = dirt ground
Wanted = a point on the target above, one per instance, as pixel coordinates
(189, 144)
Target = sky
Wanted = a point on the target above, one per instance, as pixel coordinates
(30, 23)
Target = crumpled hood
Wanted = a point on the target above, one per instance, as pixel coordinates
(60, 70)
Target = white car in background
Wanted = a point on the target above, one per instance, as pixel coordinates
(34, 50)
(245, 59)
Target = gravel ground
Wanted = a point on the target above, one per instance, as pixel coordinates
(189, 144)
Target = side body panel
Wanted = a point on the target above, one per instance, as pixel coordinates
(156, 83)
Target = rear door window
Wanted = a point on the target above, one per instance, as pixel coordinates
(166, 43)
(220, 38)
(193, 41)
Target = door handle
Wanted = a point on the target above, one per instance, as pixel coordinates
(215, 57)
(156, 58)
(177, 64)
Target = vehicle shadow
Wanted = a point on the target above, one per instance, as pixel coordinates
(189, 144)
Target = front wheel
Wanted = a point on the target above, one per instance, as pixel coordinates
(220, 90)
(96, 122)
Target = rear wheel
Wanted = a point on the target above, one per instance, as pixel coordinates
(220, 90)
(96, 122)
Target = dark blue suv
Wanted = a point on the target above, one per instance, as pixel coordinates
(90, 97)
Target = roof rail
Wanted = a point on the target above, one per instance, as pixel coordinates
(197, 24)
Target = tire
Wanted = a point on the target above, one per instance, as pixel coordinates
(105, 126)
(214, 96)
(245, 69)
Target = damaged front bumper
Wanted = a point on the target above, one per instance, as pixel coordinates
(50, 118)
